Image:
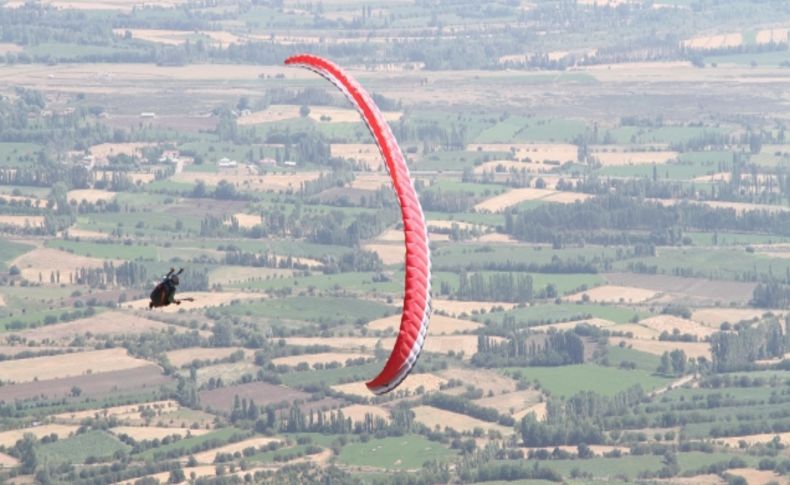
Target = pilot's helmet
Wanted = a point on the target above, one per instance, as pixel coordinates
(174, 279)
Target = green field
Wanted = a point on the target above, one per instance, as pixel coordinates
(11, 250)
(183, 445)
(644, 361)
(568, 380)
(405, 452)
(107, 250)
(317, 309)
(553, 313)
(96, 444)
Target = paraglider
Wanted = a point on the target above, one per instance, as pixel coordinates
(417, 294)
(164, 293)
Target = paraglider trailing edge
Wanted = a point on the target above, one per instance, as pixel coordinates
(417, 292)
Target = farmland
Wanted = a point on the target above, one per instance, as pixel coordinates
(606, 187)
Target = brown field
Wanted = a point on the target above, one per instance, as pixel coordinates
(714, 317)
(120, 5)
(247, 221)
(6, 47)
(358, 344)
(496, 238)
(637, 330)
(74, 232)
(104, 150)
(714, 41)
(90, 195)
(658, 347)
(357, 412)
(428, 382)
(668, 323)
(45, 261)
(389, 253)
(200, 471)
(140, 433)
(136, 177)
(9, 438)
(513, 197)
(123, 413)
(364, 153)
(228, 372)
(275, 182)
(754, 439)
(391, 235)
(455, 307)
(370, 181)
(512, 402)
(595, 322)
(439, 418)
(92, 385)
(439, 324)
(184, 357)
(539, 410)
(224, 275)
(701, 291)
(536, 152)
(633, 158)
(203, 299)
(289, 111)
(439, 343)
(487, 380)
(8, 461)
(322, 358)
(161, 36)
(758, 477)
(207, 457)
(22, 221)
(614, 294)
(776, 36)
(68, 365)
(21, 199)
(261, 392)
(105, 323)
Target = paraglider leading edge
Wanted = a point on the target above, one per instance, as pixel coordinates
(417, 292)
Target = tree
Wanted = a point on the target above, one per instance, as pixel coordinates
(664, 366)
(304, 111)
(177, 476)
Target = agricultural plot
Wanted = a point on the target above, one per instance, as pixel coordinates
(77, 449)
(568, 380)
(516, 196)
(105, 323)
(133, 381)
(184, 357)
(209, 457)
(436, 418)
(261, 392)
(416, 384)
(440, 325)
(322, 358)
(44, 264)
(657, 347)
(202, 299)
(613, 294)
(9, 438)
(68, 365)
(405, 452)
(141, 433)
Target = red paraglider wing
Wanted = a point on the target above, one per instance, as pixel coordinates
(417, 294)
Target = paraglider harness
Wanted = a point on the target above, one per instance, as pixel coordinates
(165, 292)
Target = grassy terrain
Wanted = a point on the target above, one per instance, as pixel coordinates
(96, 444)
(405, 452)
(567, 380)
(317, 309)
